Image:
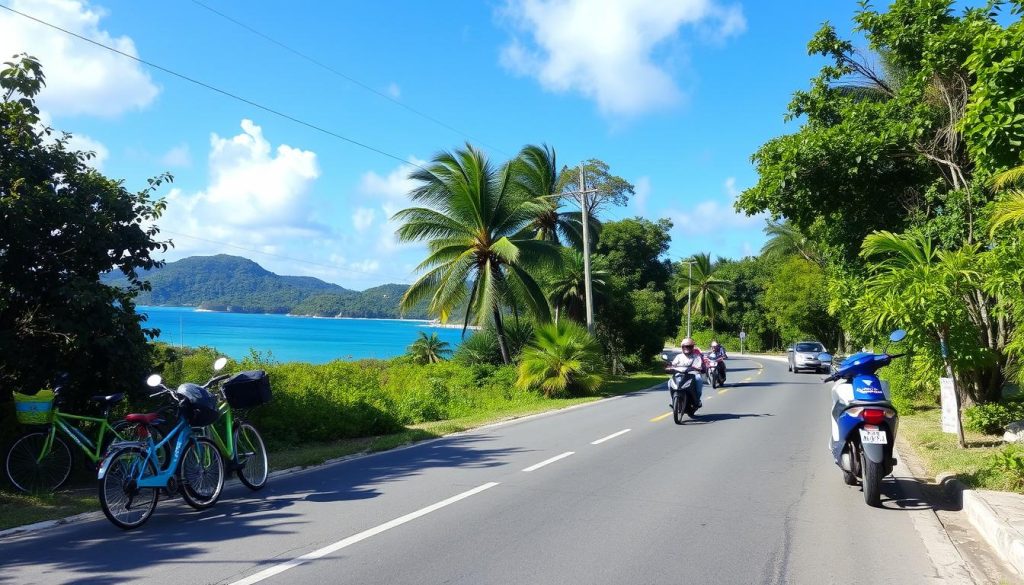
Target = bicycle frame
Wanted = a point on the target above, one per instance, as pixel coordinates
(90, 447)
(182, 435)
(226, 444)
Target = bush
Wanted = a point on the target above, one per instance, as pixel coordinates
(993, 418)
(1009, 462)
(564, 359)
(482, 346)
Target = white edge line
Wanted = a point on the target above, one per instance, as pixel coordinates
(548, 461)
(322, 552)
(609, 437)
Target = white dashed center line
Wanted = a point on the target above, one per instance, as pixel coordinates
(611, 436)
(549, 461)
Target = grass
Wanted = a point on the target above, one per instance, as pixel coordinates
(940, 453)
(18, 509)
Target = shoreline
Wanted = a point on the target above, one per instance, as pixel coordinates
(142, 309)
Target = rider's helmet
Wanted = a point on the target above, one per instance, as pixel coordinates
(714, 345)
(687, 345)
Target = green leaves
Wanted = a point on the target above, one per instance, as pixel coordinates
(562, 360)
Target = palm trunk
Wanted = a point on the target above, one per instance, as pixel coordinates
(499, 329)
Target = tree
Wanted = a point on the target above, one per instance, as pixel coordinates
(563, 359)
(796, 299)
(785, 240)
(536, 172)
(429, 350)
(65, 224)
(567, 288)
(1010, 209)
(704, 293)
(610, 189)
(473, 223)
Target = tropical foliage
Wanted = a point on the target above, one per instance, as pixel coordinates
(429, 349)
(703, 292)
(562, 360)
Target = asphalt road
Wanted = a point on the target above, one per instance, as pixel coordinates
(612, 492)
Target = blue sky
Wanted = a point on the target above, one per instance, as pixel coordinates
(674, 95)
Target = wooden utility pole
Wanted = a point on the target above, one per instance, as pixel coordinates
(586, 251)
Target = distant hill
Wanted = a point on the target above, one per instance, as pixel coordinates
(239, 285)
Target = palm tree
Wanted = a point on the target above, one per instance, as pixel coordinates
(566, 290)
(472, 220)
(706, 292)
(563, 359)
(429, 350)
(785, 239)
(536, 172)
(1011, 208)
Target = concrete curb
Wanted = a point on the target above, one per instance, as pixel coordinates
(998, 533)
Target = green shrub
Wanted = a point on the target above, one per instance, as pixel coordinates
(482, 346)
(1010, 463)
(993, 418)
(703, 338)
(564, 359)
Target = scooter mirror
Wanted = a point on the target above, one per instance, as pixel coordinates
(897, 336)
(154, 380)
(219, 364)
(825, 358)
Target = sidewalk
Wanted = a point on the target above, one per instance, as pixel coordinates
(999, 518)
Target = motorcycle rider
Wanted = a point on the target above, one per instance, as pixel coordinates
(718, 351)
(689, 359)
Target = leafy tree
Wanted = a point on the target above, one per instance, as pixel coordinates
(536, 172)
(703, 292)
(473, 220)
(784, 240)
(564, 359)
(65, 224)
(429, 349)
(610, 189)
(633, 248)
(1011, 208)
(748, 279)
(567, 286)
(796, 299)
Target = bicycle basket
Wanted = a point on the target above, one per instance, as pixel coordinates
(35, 409)
(247, 389)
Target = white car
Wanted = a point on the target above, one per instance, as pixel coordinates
(803, 355)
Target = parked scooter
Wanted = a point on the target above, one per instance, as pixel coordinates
(864, 422)
(683, 388)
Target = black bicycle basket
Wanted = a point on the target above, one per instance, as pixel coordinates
(247, 389)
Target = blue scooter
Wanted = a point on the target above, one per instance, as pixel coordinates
(863, 420)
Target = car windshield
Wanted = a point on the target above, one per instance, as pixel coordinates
(810, 347)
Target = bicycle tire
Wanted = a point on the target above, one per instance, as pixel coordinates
(117, 485)
(201, 474)
(27, 473)
(251, 454)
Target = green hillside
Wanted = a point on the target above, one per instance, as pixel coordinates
(239, 285)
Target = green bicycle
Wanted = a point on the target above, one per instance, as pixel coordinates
(237, 439)
(40, 459)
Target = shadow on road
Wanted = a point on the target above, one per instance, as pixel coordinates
(720, 416)
(909, 494)
(97, 552)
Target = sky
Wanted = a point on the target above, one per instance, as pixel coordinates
(675, 95)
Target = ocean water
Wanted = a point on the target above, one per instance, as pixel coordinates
(307, 339)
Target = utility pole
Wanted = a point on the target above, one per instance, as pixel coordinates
(689, 295)
(586, 251)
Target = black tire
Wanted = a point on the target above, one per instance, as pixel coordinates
(679, 407)
(201, 474)
(125, 505)
(714, 381)
(29, 474)
(789, 367)
(871, 481)
(252, 457)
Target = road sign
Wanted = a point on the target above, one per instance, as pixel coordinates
(743, 335)
(947, 394)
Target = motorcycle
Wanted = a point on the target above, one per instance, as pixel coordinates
(864, 421)
(716, 369)
(683, 388)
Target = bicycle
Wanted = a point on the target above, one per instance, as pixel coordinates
(241, 444)
(131, 475)
(40, 459)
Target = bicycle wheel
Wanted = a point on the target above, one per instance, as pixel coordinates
(201, 473)
(30, 473)
(125, 504)
(252, 457)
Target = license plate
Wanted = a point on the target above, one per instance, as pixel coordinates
(876, 437)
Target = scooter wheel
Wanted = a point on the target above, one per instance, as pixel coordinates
(871, 482)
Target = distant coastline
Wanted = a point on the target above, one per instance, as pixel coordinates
(433, 323)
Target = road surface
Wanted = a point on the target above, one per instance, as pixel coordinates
(608, 493)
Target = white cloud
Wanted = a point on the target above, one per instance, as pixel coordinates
(84, 143)
(81, 79)
(362, 219)
(713, 215)
(257, 196)
(606, 50)
(394, 91)
(391, 193)
(642, 191)
(178, 156)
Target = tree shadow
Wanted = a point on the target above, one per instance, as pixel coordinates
(720, 416)
(97, 552)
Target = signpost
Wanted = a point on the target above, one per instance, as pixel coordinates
(950, 420)
(743, 337)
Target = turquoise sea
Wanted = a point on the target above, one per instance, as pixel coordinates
(307, 339)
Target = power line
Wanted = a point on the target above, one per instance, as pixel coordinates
(348, 78)
(283, 257)
(215, 89)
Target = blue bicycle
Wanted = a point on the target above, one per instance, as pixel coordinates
(134, 473)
